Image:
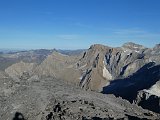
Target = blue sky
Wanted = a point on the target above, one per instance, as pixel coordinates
(75, 24)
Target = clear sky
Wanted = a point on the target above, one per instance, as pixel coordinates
(75, 24)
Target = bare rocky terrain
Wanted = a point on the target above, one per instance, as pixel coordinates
(37, 98)
(100, 83)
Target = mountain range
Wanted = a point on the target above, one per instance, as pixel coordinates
(127, 73)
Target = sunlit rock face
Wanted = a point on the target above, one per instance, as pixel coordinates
(150, 98)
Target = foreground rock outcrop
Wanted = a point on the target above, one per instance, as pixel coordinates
(150, 98)
(51, 98)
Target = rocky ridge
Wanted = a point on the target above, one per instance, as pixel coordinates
(49, 99)
(131, 71)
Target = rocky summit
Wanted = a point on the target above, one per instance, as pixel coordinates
(100, 83)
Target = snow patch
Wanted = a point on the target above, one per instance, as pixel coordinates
(137, 51)
(126, 51)
(106, 73)
(135, 47)
(80, 78)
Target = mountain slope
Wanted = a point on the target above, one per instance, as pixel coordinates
(59, 66)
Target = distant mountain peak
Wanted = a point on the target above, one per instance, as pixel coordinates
(133, 46)
(98, 47)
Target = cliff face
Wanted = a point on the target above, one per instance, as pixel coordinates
(148, 101)
(102, 64)
(150, 98)
(131, 72)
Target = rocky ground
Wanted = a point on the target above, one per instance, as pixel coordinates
(52, 99)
